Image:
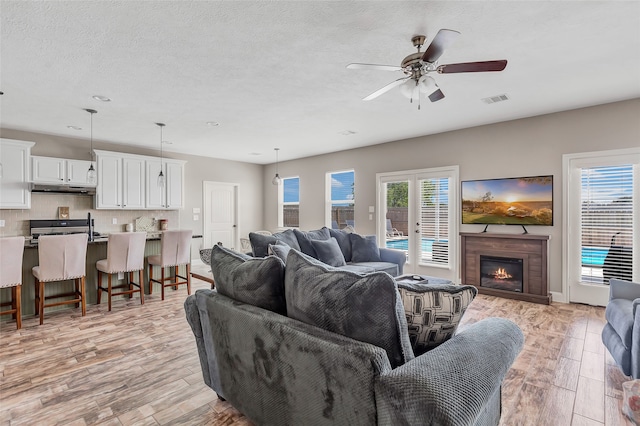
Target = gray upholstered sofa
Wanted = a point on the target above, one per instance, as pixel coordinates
(313, 345)
(349, 251)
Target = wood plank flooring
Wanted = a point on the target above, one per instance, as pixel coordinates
(138, 365)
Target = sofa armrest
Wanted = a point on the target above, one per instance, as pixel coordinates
(453, 383)
(636, 306)
(619, 289)
(193, 318)
(395, 256)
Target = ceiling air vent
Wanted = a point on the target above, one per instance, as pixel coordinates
(494, 99)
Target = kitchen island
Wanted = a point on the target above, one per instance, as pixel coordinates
(96, 250)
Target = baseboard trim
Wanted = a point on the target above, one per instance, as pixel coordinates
(558, 297)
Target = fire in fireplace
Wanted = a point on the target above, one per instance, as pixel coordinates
(502, 273)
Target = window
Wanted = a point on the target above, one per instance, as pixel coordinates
(340, 201)
(606, 222)
(289, 203)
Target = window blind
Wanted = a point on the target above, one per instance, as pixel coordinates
(434, 221)
(606, 223)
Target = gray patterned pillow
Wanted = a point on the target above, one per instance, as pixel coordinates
(256, 281)
(433, 312)
(367, 308)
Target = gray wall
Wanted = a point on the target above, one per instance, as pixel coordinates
(197, 170)
(525, 147)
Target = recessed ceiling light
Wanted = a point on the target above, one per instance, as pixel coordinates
(74, 127)
(255, 153)
(167, 142)
(212, 123)
(101, 98)
(348, 132)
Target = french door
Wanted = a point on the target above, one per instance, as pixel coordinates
(417, 213)
(601, 222)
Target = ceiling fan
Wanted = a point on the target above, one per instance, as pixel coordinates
(419, 65)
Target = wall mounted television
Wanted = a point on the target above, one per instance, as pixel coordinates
(509, 201)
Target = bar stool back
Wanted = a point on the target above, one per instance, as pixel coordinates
(11, 251)
(175, 251)
(61, 258)
(125, 253)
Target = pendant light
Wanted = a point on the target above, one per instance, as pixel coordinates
(276, 179)
(92, 175)
(161, 175)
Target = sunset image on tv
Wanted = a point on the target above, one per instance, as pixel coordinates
(511, 201)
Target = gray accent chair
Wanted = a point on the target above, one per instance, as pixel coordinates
(621, 334)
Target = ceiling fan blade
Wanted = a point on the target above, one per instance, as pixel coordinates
(436, 96)
(473, 67)
(441, 41)
(386, 88)
(374, 67)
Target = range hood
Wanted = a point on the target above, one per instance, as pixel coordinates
(62, 189)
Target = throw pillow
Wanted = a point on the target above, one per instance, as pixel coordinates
(434, 312)
(364, 249)
(367, 308)
(304, 239)
(288, 237)
(344, 242)
(256, 281)
(328, 251)
(280, 249)
(260, 243)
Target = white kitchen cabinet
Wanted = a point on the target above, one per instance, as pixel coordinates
(109, 189)
(49, 170)
(133, 183)
(171, 195)
(77, 172)
(15, 174)
(174, 184)
(128, 181)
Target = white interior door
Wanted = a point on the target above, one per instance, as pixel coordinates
(220, 214)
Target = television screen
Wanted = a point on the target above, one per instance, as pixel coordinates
(510, 201)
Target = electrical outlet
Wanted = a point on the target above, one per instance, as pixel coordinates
(1, 223)
(370, 217)
(196, 217)
(114, 221)
(121, 275)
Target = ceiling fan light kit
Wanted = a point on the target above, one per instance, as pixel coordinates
(417, 66)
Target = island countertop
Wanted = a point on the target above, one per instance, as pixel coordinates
(96, 250)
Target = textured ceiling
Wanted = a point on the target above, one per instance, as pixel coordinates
(273, 73)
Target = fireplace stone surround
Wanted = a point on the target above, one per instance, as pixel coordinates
(531, 249)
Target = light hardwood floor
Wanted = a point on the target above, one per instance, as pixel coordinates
(138, 365)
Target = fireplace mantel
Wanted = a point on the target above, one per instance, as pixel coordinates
(532, 249)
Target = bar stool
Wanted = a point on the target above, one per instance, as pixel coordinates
(125, 253)
(175, 251)
(61, 258)
(11, 250)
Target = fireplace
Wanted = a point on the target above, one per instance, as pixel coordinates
(530, 252)
(501, 273)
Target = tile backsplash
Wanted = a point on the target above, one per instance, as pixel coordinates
(45, 206)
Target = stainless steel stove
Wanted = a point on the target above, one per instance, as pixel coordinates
(60, 227)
